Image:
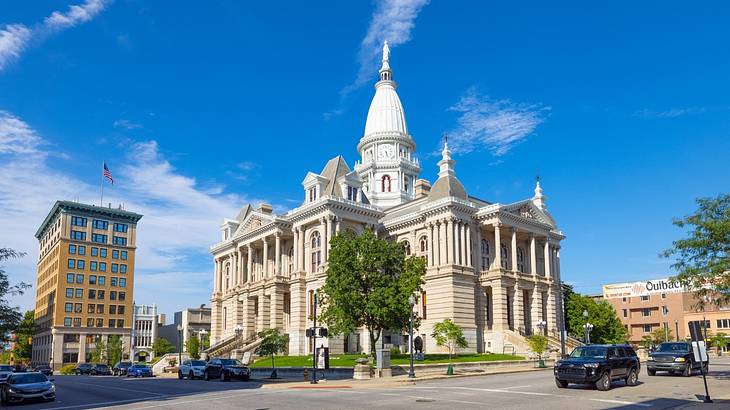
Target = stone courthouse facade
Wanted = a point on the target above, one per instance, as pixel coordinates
(492, 268)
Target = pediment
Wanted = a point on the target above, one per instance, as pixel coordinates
(528, 210)
(252, 222)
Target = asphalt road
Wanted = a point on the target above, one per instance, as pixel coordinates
(531, 390)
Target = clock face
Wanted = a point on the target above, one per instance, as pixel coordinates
(386, 151)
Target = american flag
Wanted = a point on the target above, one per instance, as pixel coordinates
(108, 174)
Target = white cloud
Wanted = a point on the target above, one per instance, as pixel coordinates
(671, 113)
(126, 124)
(181, 217)
(392, 20)
(494, 125)
(13, 39)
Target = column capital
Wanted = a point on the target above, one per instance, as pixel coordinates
(497, 225)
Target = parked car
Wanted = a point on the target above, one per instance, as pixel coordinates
(83, 368)
(44, 369)
(674, 357)
(120, 369)
(191, 369)
(100, 370)
(5, 371)
(226, 369)
(599, 365)
(139, 370)
(23, 386)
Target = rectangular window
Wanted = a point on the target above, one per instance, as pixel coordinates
(70, 293)
(78, 235)
(70, 278)
(115, 254)
(115, 267)
(123, 296)
(79, 278)
(82, 250)
(67, 321)
(91, 308)
(112, 309)
(665, 310)
(90, 322)
(113, 295)
(92, 293)
(78, 221)
(99, 224)
(645, 312)
(102, 266)
(102, 252)
(624, 300)
(102, 280)
(664, 295)
(98, 238)
(122, 282)
(645, 298)
(68, 307)
(100, 322)
(647, 328)
(79, 293)
(93, 265)
(120, 227)
(94, 251)
(123, 268)
(120, 309)
(100, 294)
(72, 263)
(113, 281)
(626, 312)
(72, 249)
(118, 240)
(112, 323)
(120, 322)
(78, 307)
(92, 279)
(80, 264)
(99, 308)
(124, 255)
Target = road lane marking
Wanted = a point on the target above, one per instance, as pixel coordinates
(122, 388)
(626, 403)
(514, 387)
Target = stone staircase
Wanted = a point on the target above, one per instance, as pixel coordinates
(233, 346)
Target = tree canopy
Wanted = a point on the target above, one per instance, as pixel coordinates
(114, 349)
(272, 344)
(368, 283)
(607, 327)
(449, 334)
(162, 346)
(10, 316)
(193, 347)
(24, 337)
(702, 259)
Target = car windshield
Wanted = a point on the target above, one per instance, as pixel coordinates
(197, 363)
(124, 364)
(140, 366)
(26, 378)
(673, 347)
(5, 368)
(230, 362)
(593, 352)
(101, 366)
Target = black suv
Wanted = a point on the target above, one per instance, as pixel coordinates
(120, 369)
(83, 368)
(673, 357)
(225, 369)
(599, 365)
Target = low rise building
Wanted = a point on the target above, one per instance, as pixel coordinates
(186, 323)
(144, 332)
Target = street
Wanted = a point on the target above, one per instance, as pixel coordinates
(510, 391)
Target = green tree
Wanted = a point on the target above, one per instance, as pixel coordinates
(607, 327)
(703, 257)
(193, 347)
(114, 349)
(162, 346)
(661, 335)
(646, 342)
(449, 334)
(719, 341)
(10, 316)
(24, 337)
(368, 284)
(538, 344)
(273, 343)
(99, 352)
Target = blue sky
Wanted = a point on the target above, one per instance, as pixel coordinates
(202, 107)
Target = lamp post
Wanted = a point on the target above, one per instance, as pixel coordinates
(676, 330)
(541, 324)
(587, 328)
(179, 343)
(411, 372)
(314, 340)
(202, 334)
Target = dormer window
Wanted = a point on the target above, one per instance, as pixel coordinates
(351, 193)
(312, 194)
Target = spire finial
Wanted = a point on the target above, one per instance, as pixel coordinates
(539, 198)
(385, 73)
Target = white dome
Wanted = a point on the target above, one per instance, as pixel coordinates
(386, 111)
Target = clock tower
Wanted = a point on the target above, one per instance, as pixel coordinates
(388, 166)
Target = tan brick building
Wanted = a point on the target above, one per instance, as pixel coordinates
(85, 281)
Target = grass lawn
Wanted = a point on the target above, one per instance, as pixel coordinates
(348, 360)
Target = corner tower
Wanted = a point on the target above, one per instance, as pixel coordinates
(388, 167)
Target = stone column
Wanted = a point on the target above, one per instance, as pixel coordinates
(547, 258)
(325, 240)
(82, 348)
(533, 255)
(449, 239)
(338, 220)
(463, 228)
(557, 264)
(215, 275)
(249, 263)
(442, 242)
(497, 247)
(551, 310)
(536, 308)
(469, 247)
(329, 236)
(499, 306)
(265, 262)
(234, 267)
(277, 255)
(514, 250)
(518, 307)
(430, 242)
(295, 245)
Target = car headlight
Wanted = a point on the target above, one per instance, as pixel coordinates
(52, 389)
(591, 365)
(680, 359)
(650, 359)
(12, 390)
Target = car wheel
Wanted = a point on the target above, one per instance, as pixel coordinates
(223, 375)
(687, 370)
(206, 376)
(561, 383)
(246, 378)
(191, 376)
(179, 375)
(633, 378)
(604, 383)
(651, 372)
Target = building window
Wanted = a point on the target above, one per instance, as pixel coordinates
(98, 238)
(485, 254)
(112, 323)
(424, 244)
(67, 321)
(102, 280)
(82, 250)
(316, 244)
(78, 307)
(72, 263)
(113, 295)
(385, 183)
(90, 321)
(92, 279)
(93, 265)
(71, 249)
(625, 299)
(122, 295)
(723, 323)
(100, 294)
(99, 308)
(118, 240)
(407, 248)
(123, 268)
(102, 266)
(115, 268)
(78, 221)
(94, 251)
(68, 307)
(80, 264)
(70, 293)
(290, 255)
(625, 312)
(112, 309)
(102, 252)
(80, 278)
(120, 322)
(78, 235)
(351, 193)
(646, 328)
(79, 293)
(120, 227)
(520, 260)
(113, 281)
(92, 293)
(123, 255)
(424, 310)
(115, 254)
(91, 308)
(99, 224)
(645, 312)
(645, 298)
(504, 252)
(664, 295)
(122, 282)
(100, 321)
(70, 278)
(665, 310)
(120, 309)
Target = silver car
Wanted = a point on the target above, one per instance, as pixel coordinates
(191, 369)
(5, 371)
(23, 386)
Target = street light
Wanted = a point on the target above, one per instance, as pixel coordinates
(541, 324)
(411, 372)
(201, 336)
(587, 328)
(179, 343)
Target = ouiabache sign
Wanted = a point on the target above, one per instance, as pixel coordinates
(643, 288)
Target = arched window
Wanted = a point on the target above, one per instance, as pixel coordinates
(485, 254)
(503, 256)
(385, 184)
(228, 276)
(290, 254)
(424, 244)
(520, 260)
(407, 247)
(316, 243)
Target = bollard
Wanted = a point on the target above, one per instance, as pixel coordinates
(306, 374)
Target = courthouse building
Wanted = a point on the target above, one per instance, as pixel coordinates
(84, 282)
(492, 268)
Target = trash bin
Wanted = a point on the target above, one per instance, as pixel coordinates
(382, 357)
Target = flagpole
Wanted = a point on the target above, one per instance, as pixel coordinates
(101, 203)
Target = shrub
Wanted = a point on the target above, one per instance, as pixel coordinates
(68, 369)
(394, 351)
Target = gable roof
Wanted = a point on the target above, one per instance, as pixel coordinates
(334, 170)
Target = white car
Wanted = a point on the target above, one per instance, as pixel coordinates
(5, 371)
(191, 369)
